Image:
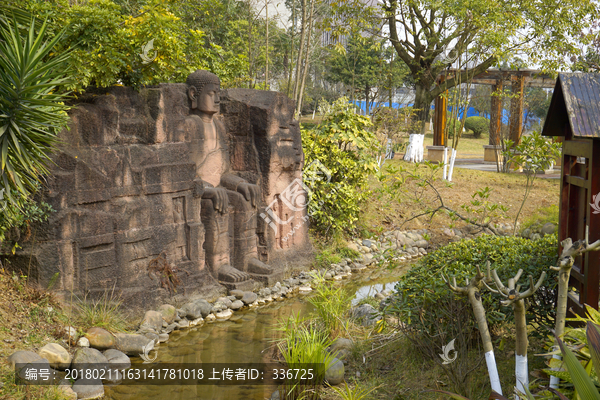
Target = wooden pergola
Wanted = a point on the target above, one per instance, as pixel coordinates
(498, 79)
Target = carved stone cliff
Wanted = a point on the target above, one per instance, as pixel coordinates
(129, 199)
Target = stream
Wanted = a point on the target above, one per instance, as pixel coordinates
(246, 337)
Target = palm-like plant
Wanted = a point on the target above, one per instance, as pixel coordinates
(31, 106)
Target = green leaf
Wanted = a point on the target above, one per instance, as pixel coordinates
(583, 383)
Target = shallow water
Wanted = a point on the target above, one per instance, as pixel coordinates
(246, 337)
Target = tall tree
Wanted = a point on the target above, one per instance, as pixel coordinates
(428, 35)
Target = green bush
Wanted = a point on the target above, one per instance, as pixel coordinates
(477, 125)
(422, 289)
(453, 126)
(339, 157)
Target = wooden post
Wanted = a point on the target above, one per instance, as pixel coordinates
(516, 108)
(496, 114)
(439, 117)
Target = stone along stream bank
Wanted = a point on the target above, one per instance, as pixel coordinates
(237, 328)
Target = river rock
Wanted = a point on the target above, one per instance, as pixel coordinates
(182, 324)
(224, 315)
(71, 333)
(83, 342)
(152, 336)
(210, 318)
(153, 320)
(366, 314)
(66, 392)
(88, 389)
(217, 307)
(264, 292)
(340, 348)
(57, 356)
(367, 243)
(422, 243)
(197, 321)
(170, 328)
(100, 338)
(225, 301)
(237, 293)
(117, 359)
(133, 344)
(334, 375)
(163, 337)
(249, 297)
(23, 357)
(548, 229)
(168, 313)
(535, 236)
(192, 310)
(89, 358)
(236, 305)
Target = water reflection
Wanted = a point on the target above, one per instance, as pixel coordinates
(246, 337)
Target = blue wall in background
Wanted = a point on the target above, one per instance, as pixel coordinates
(471, 112)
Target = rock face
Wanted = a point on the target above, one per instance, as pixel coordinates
(57, 356)
(126, 189)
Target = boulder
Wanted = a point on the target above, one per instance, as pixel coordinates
(340, 348)
(57, 356)
(133, 344)
(100, 338)
(197, 309)
(366, 314)
(548, 229)
(117, 359)
(236, 305)
(168, 313)
(152, 320)
(88, 389)
(249, 297)
(334, 375)
(89, 358)
(23, 357)
(225, 301)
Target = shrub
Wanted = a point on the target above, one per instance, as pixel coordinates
(422, 289)
(339, 157)
(453, 126)
(477, 125)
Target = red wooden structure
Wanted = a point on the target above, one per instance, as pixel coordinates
(574, 115)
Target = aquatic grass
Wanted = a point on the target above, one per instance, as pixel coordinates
(104, 312)
(332, 302)
(355, 393)
(304, 346)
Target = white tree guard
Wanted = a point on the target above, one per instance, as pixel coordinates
(521, 373)
(414, 150)
(554, 381)
(490, 360)
(452, 159)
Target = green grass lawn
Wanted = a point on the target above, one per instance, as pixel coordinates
(468, 146)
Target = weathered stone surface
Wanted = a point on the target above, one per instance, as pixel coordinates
(100, 338)
(548, 229)
(366, 314)
(117, 359)
(237, 293)
(57, 356)
(193, 310)
(88, 389)
(236, 305)
(23, 357)
(128, 187)
(168, 313)
(249, 297)
(133, 344)
(152, 319)
(225, 301)
(83, 342)
(89, 358)
(335, 373)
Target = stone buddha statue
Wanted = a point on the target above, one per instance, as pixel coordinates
(229, 203)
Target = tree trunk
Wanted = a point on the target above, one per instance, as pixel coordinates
(267, 46)
(414, 150)
(306, 58)
(486, 339)
(300, 50)
(521, 343)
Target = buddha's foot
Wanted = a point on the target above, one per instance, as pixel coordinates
(256, 266)
(229, 274)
